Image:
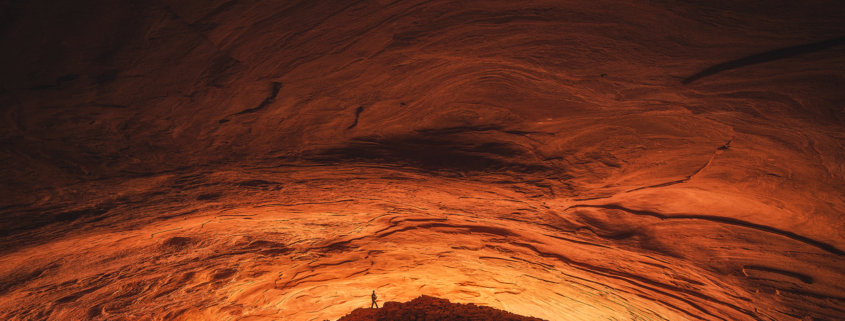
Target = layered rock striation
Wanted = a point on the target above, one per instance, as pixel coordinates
(565, 160)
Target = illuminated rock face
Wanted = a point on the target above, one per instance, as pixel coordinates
(279, 160)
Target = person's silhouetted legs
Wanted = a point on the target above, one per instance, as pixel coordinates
(374, 301)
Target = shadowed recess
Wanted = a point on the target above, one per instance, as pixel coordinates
(767, 56)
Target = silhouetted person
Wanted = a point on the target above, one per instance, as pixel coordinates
(374, 300)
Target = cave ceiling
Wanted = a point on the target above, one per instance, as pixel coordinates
(280, 160)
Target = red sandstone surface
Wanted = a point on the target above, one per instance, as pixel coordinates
(432, 309)
(279, 160)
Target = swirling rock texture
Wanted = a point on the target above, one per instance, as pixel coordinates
(279, 160)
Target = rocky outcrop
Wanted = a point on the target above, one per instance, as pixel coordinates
(432, 309)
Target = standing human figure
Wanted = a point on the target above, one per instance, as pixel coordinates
(374, 300)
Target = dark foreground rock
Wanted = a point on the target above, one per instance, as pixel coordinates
(432, 309)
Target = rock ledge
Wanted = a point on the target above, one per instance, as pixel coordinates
(432, 309)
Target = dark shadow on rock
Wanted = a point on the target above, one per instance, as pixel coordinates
(434, 150)
(765, 57)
